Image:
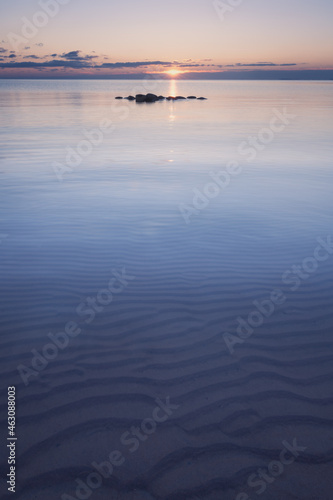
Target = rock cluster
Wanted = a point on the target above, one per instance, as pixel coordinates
(154, 98)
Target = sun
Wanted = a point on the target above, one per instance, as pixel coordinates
(173, 72)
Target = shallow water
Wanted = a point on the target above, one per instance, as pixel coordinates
(140, 195)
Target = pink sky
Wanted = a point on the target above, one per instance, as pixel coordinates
(107, 37)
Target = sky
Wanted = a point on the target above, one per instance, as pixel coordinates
(178, 38)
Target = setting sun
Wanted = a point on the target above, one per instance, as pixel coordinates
(173, 72)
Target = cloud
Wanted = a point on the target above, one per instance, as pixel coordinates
(75, 59)
(74, 55)
(134, 64)
(46, 64)
(2, 50)
(259, 64)
(190, 65)
(39, 44)
(71, 55)
(26, 48)
(78, 62)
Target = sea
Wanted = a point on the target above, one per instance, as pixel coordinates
(166, 290)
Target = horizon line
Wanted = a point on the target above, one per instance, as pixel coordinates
(286, 75)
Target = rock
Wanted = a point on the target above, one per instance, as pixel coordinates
(151, 98)
(118, 97)
(146, 98)
(154, 98)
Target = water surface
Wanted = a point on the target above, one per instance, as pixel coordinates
(63, 235)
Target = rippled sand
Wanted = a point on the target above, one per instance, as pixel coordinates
(162, 336)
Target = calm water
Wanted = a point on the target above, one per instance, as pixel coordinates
(133, 196)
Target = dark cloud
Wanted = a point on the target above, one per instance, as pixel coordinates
(78, 62)
(74, 55)
(259, 64)
(190, 65)
(46, 64)
(71, 55)
(75, 59)
(134, 64)
(26, 48)
(2, 50)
